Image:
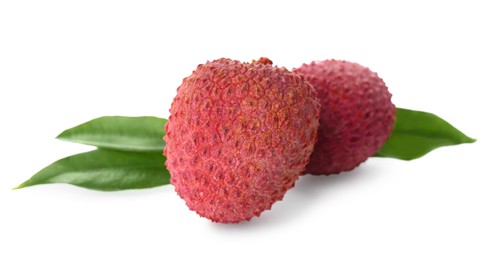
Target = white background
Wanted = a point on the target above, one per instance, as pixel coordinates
(65, 62)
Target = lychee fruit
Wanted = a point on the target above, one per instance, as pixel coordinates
(357, 115)
(238, 137)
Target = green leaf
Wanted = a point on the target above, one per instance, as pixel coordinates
(120, 133)
(417, 133)
(105, 170)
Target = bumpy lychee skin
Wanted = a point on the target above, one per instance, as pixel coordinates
(238, 137)
(357, 115)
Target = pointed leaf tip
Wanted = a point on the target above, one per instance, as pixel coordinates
(417, 133)
(105, 170)
(143, 134)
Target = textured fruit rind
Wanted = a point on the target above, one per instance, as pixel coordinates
(238, 137)
(357, 115)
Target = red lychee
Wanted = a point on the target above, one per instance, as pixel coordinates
(239, 136)
(357, 115)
